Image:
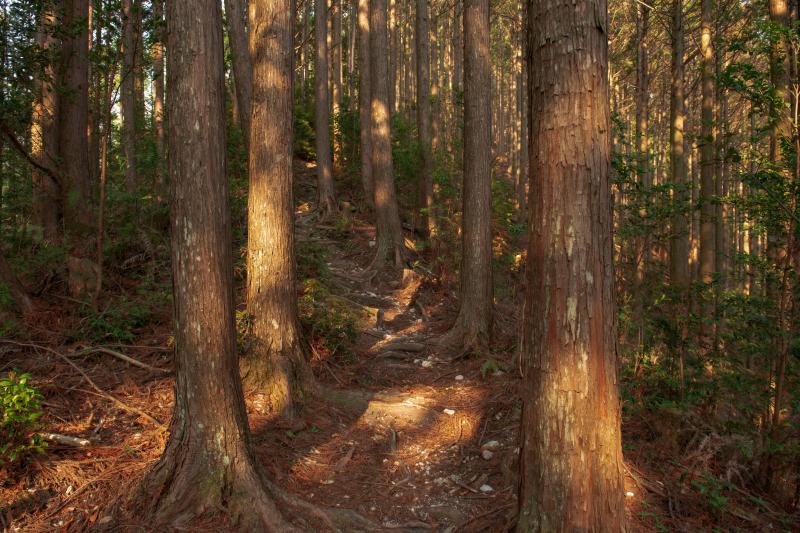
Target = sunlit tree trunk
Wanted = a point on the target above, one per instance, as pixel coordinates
(389, 245)
(571, 468)
(208, 464)
(707, 153)
(365, 101)
(44, 138)
(276, 363)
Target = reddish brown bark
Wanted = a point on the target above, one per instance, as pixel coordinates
(571, 456)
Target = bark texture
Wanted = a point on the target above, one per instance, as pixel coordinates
(474, 321)
(277, 363)
(322, 116)
(571, 459)
(389, 244)
(73, 140)
(208, 465)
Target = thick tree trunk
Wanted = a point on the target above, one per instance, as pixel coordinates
(679, 243)
(322, 119)
(277, 363)
(472, 328)
(128, 96)
(389, 239)
(236, 13)
(425, 196)
(208, 464)
(74, 147)
(365, 102)
(44, 139)
(571, 460)
(158, 94)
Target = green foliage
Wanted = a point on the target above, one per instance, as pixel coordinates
(116, 323)
(20, 413)
(490, 366)
(304, 136)
(330, 321)
(311, 260)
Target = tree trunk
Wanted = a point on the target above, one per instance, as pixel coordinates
(128, 96)
(389, 231)
(322, 119)
(236, 14)
(74, 146)
(158, 94)
(642, 121)
(425, 196)
(277, 363)
(365, 101)
(679, 244)
(707, 209)
(44, 139)
(571, 465)
(208, 464)
(472, 328)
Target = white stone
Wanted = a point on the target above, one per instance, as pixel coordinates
(486, 488)
(427, 364)
(491, 445)
(459, 378)
(449, 412)
(486, 454)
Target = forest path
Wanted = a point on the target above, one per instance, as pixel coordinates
(400, 432)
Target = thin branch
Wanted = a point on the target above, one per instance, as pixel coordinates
(24, 153)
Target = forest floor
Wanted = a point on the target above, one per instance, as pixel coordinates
(404, 432)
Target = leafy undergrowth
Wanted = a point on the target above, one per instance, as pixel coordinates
(400, 434)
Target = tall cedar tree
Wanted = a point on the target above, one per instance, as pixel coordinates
(472, 328)
(276, 363)
(322, 115)
(73, 143)
(364, 102)
(208, 464)
(425, 196)
(44, 136)
(389, 244)
(128, 90)
(571, 457)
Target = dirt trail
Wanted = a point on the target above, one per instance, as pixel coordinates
(401, 434)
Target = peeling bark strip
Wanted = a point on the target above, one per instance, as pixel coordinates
(277, 362)
(571, 459)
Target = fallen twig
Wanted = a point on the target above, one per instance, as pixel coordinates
(99, 391)
(120, 356)
(66, 440)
